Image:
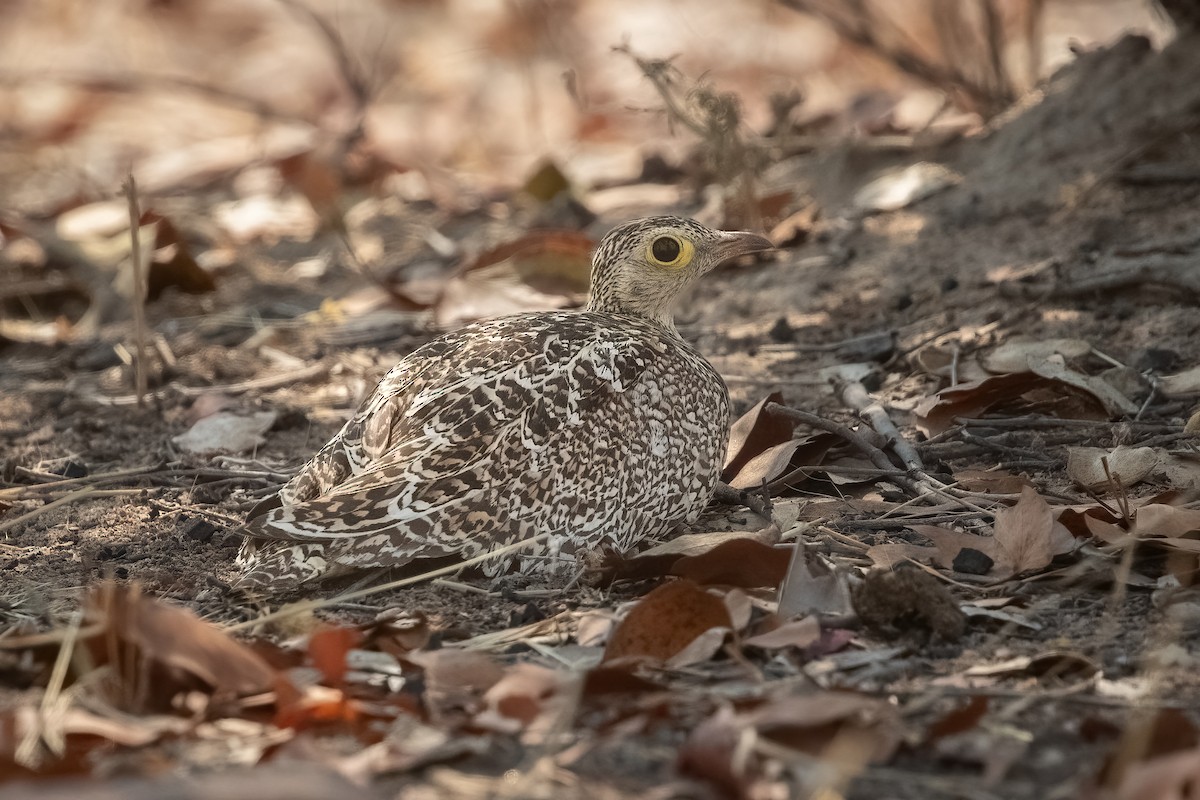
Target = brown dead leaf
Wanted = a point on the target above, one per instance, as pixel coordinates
(666, 621)
(978, 480)
(1021, 353)
(328, 647)
(1025, 534)
(1159, 519)
(172, 263)
(521, 700)
(737, 562)
(661, 559)
(1019, 393)
(1126, 465)
(753, 433)
(1169, 777)
(159, 650)
(800, 633)
(780, 464)
(811, 723)
(962, 718)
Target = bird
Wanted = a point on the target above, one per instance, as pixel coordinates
(597, 428)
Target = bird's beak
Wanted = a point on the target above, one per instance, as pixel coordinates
(739, 243)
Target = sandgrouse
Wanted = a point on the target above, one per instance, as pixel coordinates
(598, 427)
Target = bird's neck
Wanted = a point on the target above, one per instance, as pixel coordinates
(610, 303)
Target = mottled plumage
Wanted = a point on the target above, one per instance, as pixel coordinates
(599, 427)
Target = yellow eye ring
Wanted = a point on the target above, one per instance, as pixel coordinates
(669, 250)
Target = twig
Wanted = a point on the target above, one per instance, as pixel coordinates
(74, 497)
(139, 288)
(307, 606)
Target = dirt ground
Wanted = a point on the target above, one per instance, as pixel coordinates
(1072, 216)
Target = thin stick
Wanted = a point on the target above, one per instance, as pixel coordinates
(139, 290)
(305, 606)
(74, 497)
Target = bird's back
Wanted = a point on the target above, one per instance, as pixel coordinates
(596, 428)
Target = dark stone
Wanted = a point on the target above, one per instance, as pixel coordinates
(949, 284)
(199, 530)
(1155, 359)
(70, 469)
(782, 331)
(970, 561)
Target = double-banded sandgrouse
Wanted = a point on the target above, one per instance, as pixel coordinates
(598, 427)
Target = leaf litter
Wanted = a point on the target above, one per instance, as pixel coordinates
(808, 651)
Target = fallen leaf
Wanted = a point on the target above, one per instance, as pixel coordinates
(141, 637)
(1022, 392)
(225, 432)
(541, 270)
(1158, 519)
(1127, 466)
(812, 587)
(737, 562)
(978, 480)
(1184, 384)
(904, 186)
(798, 633)
(1025, 534)
(1021, 354)
(666, 621)
(660, 559)
(753, 433)
(328, 647)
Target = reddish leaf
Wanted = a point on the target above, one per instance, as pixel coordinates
(736, 562)
(666, 621)
(328, 647)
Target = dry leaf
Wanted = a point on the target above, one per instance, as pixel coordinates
(1059, 392)
(1021, 354)
(1126, 465)
(1025, 534)
(753, 433)
(736, 562)
(812, 587)
(144, 637)
(1158, 519)
(797, 633)
(1184, 384)
(541, 270)
(226, 432)
(666, 621)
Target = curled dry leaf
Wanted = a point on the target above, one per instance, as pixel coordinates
(1126, 465)
(812, 587)
(1161, 520)
(666, 621)
(753, 433)
(776, 461)
(1021, 354)
(141, 636)
(1184, 384)
(1052, 665)
(661, 559)
(1052, 389)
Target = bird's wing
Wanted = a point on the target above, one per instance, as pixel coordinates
(433, 433)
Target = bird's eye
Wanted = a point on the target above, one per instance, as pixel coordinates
(670, 251)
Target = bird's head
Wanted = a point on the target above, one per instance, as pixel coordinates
(642, 266)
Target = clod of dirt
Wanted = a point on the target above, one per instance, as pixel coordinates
(908, 601)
